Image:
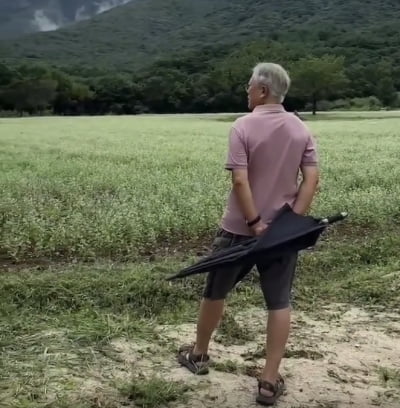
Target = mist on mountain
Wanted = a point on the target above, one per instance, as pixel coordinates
(24, 16)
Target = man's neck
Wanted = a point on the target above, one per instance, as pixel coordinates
(270, 106)
(272, 101)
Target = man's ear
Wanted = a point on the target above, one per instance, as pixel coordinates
(265, 91)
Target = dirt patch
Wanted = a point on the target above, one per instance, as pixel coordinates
(335, 360)
(181, 249)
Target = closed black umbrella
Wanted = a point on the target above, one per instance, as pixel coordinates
(288, 232)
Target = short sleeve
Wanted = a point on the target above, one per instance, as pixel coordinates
(310, 155)
(237, 157)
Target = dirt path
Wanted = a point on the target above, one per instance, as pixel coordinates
(345, 358)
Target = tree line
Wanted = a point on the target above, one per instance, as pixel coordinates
(196, 83)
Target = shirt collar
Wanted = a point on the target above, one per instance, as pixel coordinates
(269, 108)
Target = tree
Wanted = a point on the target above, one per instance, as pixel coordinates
(386, 91)
(31, 96)
(384, 84)
(6, 75)
(113, 93)
(72, 95)
(316, 78)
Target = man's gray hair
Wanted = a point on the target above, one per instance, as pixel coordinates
(275, 77)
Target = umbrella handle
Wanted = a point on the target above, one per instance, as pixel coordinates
(334, 218)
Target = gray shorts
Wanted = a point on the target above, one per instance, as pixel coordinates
(276, 278)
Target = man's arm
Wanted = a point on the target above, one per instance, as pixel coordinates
(237, 162)
(307, 189)
(310, 170)
(241, 188)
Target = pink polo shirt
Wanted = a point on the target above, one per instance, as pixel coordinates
(272, 144)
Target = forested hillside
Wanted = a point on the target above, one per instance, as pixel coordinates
(195, 56)
(139, 32)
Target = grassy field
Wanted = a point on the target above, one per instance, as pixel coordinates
(114, 187)
(95, 212)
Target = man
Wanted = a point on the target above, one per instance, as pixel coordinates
(267, 148)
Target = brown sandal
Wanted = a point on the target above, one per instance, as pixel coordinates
(197, 364)
(277, 390)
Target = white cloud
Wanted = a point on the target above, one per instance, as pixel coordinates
(81, 14)
(109, 4)
(43, 23)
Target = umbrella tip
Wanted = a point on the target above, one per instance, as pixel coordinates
(339, 217)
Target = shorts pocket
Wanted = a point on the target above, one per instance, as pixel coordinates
(222, 240)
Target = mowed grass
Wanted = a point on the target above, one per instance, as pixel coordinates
(113, 189)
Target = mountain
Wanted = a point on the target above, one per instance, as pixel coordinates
(19, 17)
(139, 32)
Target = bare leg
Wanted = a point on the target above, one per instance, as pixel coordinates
(277, 336)
(211, 312)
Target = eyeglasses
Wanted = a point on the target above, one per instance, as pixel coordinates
(247, 86)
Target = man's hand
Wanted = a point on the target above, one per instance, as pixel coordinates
(259, 228)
